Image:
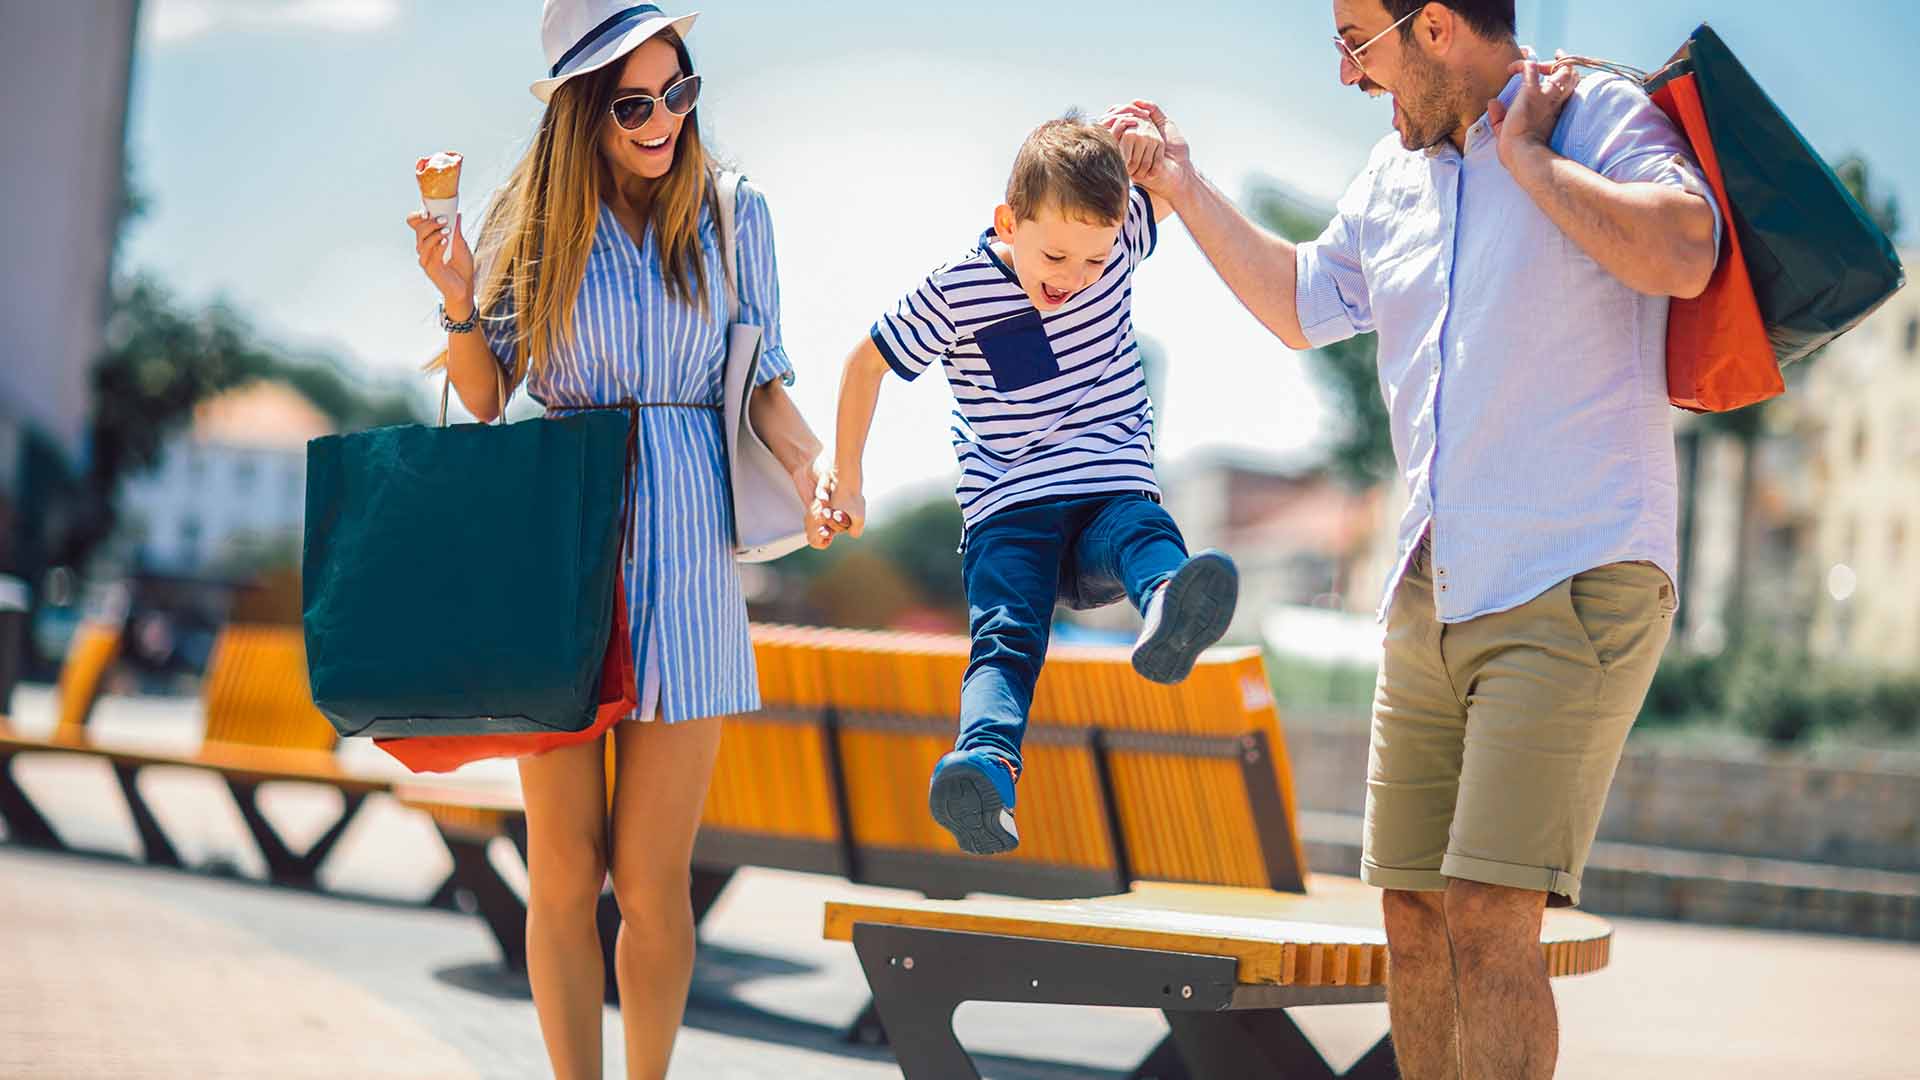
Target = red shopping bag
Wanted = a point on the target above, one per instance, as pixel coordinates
(1719, 356)
(619, 697)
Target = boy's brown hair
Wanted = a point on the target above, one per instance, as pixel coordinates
(1075, 168)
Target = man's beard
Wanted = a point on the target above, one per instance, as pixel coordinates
(1427, 102)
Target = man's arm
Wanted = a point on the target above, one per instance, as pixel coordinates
(1656, 239)
(1258, 266)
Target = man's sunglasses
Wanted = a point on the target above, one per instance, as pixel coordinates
(632, 111)
(1352, 55)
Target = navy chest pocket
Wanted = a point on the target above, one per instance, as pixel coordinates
(1018, 352)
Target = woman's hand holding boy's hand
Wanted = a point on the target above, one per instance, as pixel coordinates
(847, 507)
(817, 484)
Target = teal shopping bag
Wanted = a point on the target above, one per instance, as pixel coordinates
(460, 580)
(1818, 262)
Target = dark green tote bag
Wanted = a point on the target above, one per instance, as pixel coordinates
(1819, 263)
(460, 580)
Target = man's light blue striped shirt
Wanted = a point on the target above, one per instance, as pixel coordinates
(1526, 385)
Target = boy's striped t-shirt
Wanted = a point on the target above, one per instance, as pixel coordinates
(1046, 406)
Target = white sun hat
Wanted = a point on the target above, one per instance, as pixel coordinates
(586, 35)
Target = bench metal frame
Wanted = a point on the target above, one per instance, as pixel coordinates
(299, 870)
(1221, 1030)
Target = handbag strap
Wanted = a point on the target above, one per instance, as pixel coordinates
(726, 191)
(500, 387)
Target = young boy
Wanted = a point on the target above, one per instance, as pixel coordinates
(1054, 433)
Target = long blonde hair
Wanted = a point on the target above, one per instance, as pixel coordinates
(532, 254)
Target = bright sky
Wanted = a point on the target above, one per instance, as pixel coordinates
(276, 138)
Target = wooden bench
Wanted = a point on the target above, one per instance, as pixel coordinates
(261, 727)
(1213, 919)
(832, 776)
(83, 674)
(1222, 964)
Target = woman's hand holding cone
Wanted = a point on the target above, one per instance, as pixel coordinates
(453, 277)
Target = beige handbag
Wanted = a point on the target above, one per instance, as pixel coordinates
(769, 520)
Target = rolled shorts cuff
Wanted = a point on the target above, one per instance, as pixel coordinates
(1402, 879)
(1544, 879)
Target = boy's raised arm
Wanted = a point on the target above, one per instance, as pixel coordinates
(860, 383)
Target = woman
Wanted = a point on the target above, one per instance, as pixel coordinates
(602, 279)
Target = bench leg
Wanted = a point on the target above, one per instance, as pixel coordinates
(158, 850)
(866, 1029)
(447, 896)
(24, 823)
(1255, 1044)
(283, 866)
(606, 916)
(920, 976)
(497, 904)
(1165, 1063)
(918, 1020)
(707, 887)
(1377, 1063)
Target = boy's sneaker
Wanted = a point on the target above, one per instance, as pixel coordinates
(1185, 615)
(971, 796)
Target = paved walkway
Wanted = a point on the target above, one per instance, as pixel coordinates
(113, 970)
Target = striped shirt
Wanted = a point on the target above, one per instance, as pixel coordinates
(634, 342)
(1046, 405)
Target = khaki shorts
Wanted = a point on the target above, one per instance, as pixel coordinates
(1495, 740)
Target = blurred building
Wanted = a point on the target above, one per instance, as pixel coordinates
(64, 72)
(1864, 425)
(231, 488)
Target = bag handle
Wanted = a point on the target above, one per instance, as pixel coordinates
(726, 192)
(500, 385)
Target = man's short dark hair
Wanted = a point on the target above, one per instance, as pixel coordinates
(1491, 19)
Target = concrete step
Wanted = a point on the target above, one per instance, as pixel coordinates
(1698, 887)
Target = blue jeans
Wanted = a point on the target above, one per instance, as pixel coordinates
(1018, 563)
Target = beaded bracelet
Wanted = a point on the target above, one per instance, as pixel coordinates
(465, 327)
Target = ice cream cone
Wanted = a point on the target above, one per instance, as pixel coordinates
(439, 178)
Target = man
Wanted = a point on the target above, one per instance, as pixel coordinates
(1515, 243)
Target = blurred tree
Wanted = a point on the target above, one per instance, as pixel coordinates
(163, 360)
(1882, 206)
(1749, 426)
(1347, 372)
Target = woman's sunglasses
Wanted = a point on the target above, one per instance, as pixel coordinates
(632, 111)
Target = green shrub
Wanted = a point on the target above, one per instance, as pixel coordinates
(1686, 689)
(1894, 704)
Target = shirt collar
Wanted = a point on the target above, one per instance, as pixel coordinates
(1481, 130)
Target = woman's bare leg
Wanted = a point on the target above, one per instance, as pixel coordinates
(659, 789)
(566, 798)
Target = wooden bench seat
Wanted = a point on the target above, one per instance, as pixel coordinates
(1223, 965)
(261, 728)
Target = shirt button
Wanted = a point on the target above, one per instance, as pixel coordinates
(1443, 588)
(1442, 571)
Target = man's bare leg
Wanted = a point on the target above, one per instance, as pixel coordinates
(1509, 1029)
(1420, 986)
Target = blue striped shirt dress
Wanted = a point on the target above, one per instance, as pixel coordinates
(634, 342)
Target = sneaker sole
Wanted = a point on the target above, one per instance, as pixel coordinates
(1194, 613)
(965, 804)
